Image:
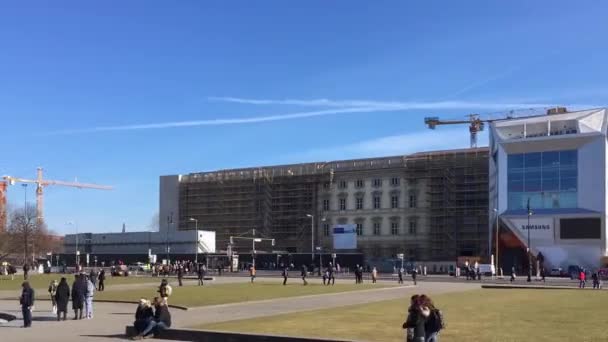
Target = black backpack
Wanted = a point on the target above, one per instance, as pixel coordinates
(437, 323)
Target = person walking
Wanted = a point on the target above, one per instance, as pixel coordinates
(596, 280)
(513, 276)
(89, 298)
(374, 275)
(400, 274)
(53, 294)
(201, 275)
(161, 321)
(285, 275)
(78, 297)
(332, 275)
(583, 279)
(414, 275)
(304, 273)
(101, 278)
(62, 297)
(26, 271)
(180, 275)
(164, 290)
(542, 274)
(27, 303)
(143, 315)
(357, 274)
(252, 272)
(325, 275)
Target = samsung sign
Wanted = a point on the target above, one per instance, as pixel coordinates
(539, 228)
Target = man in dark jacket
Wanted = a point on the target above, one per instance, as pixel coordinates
(161, 321)
(201, 275)
(180, 274)
(285, 275)
(26, 270)
(304, 274)
(78, 293)
(143, 315)
(101, 278)
(27, 304)
(62, 296)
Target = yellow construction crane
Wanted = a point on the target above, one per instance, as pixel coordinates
(475, 125)
(42, 183)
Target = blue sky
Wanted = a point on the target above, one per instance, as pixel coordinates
(119, 92)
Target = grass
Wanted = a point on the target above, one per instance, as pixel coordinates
(42, 281)
(480, 315)
(193, 296)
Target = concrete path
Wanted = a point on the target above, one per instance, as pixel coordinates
(110, 319)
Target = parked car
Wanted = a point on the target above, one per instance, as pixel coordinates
(557, 272)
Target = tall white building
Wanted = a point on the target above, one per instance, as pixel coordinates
(558, 164)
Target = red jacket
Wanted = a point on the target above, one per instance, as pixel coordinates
(582, 275)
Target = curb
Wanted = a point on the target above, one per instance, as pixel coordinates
(531, 287)
(178, 307)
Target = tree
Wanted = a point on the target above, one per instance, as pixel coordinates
(25, 236)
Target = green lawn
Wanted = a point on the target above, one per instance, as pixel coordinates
(193, 296)
(480, 315)
(42, 281)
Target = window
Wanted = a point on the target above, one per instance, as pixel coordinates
(394, 202)
(377, 202)
(359, 183)
(413, 227)
(342, 184)
(376, 228)
(548, 179)
(359, 203)
(395, 181)
(377, 182)
(394, 228)
(342, 203)
(325, 205)
(412, 201)
(325, 229)
(359, 229)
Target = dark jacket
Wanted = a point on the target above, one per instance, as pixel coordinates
(78, 293)
(102, 275)
(62, 296)
(27, 297)
(304, 271)
(144, 313)
(162, 315)
(416, 321)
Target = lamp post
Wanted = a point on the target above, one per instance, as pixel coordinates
(312, 236)
(169, 222)
(496, 260)
(77, 254)
(196, 249)
(26, 223)
(529, 249)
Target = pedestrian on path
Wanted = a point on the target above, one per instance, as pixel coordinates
(180, 275)
(53, 294)
(414, 275)
(165, 290)
(400, 274)
(583, 279)
(331, 277)
(78, 296)
(201, 275)
(304, 274)
(27, 303)
(374, 275)
(285, 275)
(513, 276)
(252, 272)
(26, 270)
(62, 297)
(101, 278)
(89, 298)
(596, 280)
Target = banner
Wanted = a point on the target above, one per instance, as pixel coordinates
(345, 236)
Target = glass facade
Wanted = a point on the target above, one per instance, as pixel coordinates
(548, 179)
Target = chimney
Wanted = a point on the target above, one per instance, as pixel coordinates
(557, 110)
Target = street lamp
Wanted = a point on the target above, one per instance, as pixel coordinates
(312, 236)
(496, 260)
(26, 223)
(529, 247)
(196, 249)
(76, 252)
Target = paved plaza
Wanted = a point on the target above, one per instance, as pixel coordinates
(111, 318)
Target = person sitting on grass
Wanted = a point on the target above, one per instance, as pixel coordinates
(143, 316)
(161, 321)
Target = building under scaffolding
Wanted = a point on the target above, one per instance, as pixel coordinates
(431, 205)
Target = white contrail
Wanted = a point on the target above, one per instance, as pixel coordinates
(338, 107)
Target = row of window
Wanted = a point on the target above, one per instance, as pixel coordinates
(360, 183)
(395, 228)
(376, 203)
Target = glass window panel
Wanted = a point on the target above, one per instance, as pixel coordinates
(532, 185)
(551, 173)
(536, 200)
(550, 184)
(550, 159)
(568, 199)
(516, 200)
(532, 160)
(568, 157)
(515, 161)
(516, 186)
(567, 184)
(567, 173)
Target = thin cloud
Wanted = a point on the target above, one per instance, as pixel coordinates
(336, 108)
(394, 145)
(401, 105)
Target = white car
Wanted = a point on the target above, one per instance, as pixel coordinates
(556, 272)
